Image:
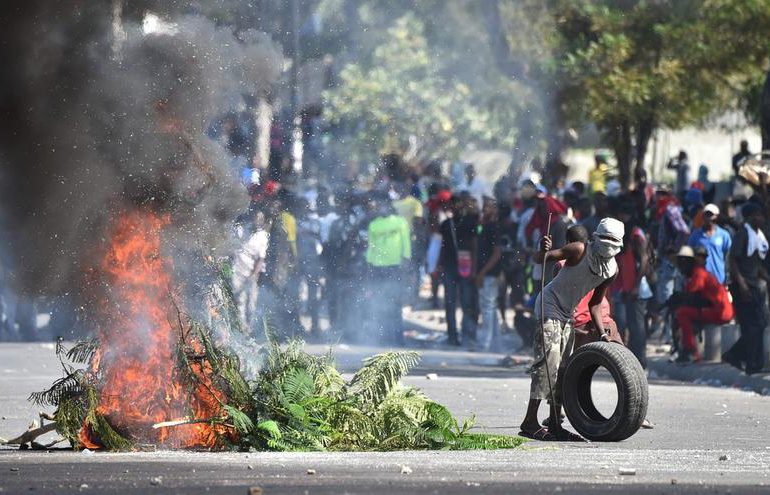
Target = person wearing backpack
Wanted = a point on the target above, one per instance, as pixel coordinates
(458, 235)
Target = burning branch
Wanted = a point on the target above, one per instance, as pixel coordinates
(181, 421)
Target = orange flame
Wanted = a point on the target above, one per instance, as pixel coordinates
(136, 368)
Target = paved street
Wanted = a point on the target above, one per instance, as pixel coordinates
(696, 426)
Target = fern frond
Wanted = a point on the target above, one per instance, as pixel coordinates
(297, 386)
(380, 374)
(484, 441)
(240, 420)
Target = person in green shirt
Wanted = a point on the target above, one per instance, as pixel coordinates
(389, 249)
(389, 241)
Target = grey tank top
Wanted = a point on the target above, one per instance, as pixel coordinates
(564, 292)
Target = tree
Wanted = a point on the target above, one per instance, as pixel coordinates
(634, 66)
(404, 92)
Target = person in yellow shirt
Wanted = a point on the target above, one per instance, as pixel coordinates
(597, 176)
(411, 209)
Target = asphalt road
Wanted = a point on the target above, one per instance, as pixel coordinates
(706, 440)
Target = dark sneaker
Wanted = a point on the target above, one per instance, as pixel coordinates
(687, 358)
(729, 359)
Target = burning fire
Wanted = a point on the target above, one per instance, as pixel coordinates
(137, 370)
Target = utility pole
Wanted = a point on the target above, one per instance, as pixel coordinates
(296, 131)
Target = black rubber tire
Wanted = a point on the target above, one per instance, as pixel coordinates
(631, 381)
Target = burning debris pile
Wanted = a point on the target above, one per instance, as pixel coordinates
(298, 402)
(189, 389)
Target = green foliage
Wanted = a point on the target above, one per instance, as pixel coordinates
(634, 66)
(407, 95)
(372, 383)
(299, 402)
(102, 429)
(70, 415)
(305, 398)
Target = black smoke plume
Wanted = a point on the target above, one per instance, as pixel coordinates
(99, 115)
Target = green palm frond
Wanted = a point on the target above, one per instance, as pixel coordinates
(380, 374)
(66, 387)
(296, 401)
(83, 351)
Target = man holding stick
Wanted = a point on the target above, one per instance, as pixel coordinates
(587, 267)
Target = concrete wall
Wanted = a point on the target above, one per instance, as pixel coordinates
(714, 147)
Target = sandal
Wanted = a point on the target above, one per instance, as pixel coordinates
(563, 435)
(547, 421)
(542, 435)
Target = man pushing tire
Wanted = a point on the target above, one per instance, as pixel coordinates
(587, 267)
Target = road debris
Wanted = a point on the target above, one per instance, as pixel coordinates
(311, 471)
(406, 469)
(627, 471)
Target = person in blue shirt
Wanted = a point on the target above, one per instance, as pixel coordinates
(715, 240)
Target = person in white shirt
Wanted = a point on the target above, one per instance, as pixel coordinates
(475, 186)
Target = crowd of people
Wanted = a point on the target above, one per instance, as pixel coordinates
(355, 252)
(359, 253)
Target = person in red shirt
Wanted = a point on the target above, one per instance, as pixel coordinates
(582, 324)
(705, 300)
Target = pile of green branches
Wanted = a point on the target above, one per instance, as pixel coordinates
(294, 402)
(299, 402)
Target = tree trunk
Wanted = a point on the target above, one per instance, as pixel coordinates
(644, 129)
(764, 113)
(555, 169)
(620, 136)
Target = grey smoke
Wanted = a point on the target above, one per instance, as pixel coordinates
(84, 96)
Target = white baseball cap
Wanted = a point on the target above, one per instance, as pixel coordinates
(711, 208)
(686, 252)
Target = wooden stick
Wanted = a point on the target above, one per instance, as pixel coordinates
(29, 435)
(184, 421)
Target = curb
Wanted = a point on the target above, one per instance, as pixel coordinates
(711, 374)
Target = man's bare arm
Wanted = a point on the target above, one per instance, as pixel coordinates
(640, 252)
(595, 304)
(569, 252)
